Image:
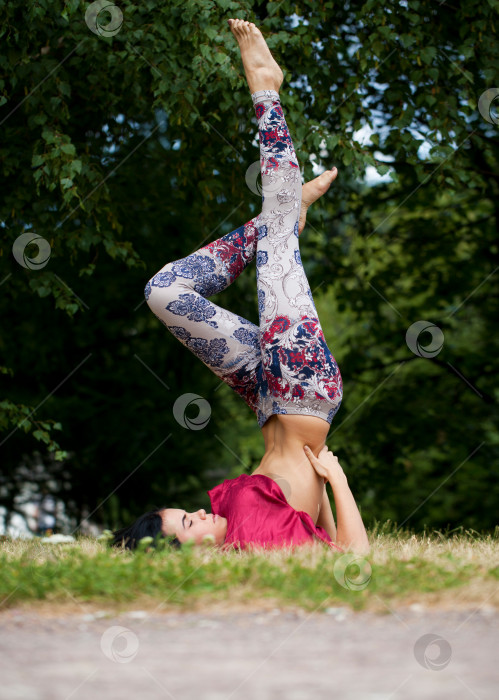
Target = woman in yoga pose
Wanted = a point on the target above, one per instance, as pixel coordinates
(282, 369)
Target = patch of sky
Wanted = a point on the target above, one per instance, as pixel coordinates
(295, 20)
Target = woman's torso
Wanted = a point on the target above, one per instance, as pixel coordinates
(285, 461)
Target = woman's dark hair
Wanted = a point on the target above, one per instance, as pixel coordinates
(148, 525)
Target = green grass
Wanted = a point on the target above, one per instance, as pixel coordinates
(436, 568)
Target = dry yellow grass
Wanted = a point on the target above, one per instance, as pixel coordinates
(431, 570)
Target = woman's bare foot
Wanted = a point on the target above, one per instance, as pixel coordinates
(311, 191)
(262, 71)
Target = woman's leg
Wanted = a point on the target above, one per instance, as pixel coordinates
(300, 375)
(284, 366)
(224, 341)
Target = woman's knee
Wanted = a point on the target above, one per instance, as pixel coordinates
(165, 290)
(165, 280)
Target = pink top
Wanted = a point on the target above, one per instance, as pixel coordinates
(257, 512)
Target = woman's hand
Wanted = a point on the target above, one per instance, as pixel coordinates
(326, 464)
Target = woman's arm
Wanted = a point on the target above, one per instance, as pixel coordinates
(326, 517)
(351, 533)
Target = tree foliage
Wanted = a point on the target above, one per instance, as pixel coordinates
(127, 151)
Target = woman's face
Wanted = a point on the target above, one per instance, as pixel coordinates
(186, 526)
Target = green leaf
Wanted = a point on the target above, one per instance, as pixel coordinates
(407, 40)
(211, 33)
(225, 4)
(43, 291)
(332, 141)
(65, 89)
(68, 148)
(205, 50)
(347, 157)
(48, 135)
(382, 168)
(428, 54)
(42, 436)
(75, 167)
(386, 32)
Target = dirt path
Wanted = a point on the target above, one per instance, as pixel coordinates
(276, 653)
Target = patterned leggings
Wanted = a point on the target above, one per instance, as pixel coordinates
(283, 365)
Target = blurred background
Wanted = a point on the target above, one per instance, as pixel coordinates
(127, 135)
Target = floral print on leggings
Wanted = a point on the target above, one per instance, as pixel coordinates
(283, 365)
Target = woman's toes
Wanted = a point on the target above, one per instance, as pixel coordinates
(325, 179)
